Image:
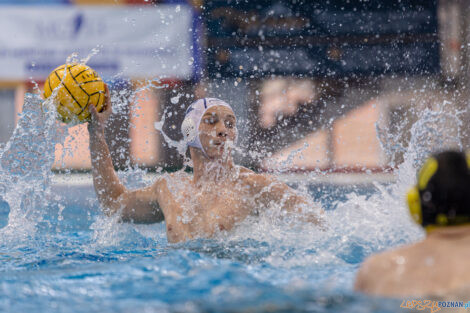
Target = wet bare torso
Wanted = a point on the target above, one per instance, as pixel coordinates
(200, 210)
(436, 266)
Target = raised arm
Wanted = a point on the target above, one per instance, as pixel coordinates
(139, 206)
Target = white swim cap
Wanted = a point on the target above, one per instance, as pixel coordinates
(192, 119)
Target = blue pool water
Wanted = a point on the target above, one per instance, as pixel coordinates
(59, 253)
(79, 261)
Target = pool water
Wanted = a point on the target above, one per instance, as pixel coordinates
(59, 253)
(79, 261)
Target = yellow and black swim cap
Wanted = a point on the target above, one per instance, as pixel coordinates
(442, 194)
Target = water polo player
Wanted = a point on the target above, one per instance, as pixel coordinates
(440, 202)
(218, 195)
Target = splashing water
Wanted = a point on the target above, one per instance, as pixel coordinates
(27, 157)
(25, 162)
(361, 223)
(433, 131)
(293, 257)
(179, 145)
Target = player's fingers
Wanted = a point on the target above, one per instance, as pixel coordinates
(107, 101)
(94, 121)
(93, 111)
(106, 90)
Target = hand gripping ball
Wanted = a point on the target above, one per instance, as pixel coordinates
(74, 87)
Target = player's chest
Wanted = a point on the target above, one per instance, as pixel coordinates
(221, 205)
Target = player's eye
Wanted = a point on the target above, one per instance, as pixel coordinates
(229, 124)
(210, 120)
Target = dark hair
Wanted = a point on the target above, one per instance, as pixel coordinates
(448, 190)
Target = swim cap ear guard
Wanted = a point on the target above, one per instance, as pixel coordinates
(421, 196)
(188, 128)
(413, 197)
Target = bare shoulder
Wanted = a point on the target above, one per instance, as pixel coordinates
(373, 270)
(376, 262)
(160, 186)
(245, 171)
(255, 179)
(169, 178)
(160, 181)
(369, 271)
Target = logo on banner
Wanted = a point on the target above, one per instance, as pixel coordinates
(77, 24)
(66, 29)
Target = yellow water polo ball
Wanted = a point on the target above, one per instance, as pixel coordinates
(75, 86)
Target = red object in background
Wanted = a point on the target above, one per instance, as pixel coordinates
(32, 85)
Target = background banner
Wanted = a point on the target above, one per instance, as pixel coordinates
(119, 41)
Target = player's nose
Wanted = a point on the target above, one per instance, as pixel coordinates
(221, 130)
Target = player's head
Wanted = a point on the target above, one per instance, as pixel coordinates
(442, 194)
(209, 125)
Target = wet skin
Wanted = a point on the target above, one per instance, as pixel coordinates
(436, 266)
(217, 197)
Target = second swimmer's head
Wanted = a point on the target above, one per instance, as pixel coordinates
(442, 194)
(209, 124)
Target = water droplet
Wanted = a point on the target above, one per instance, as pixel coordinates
(175, 100)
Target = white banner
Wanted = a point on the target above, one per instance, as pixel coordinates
(127, 41)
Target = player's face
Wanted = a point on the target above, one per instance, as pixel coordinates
(217, 130)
